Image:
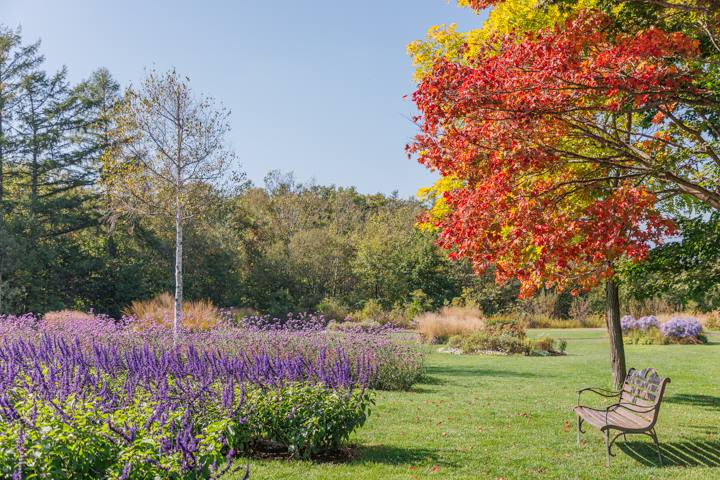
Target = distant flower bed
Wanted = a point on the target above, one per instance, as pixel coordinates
(396, 356)
(647, 330)
(91, 396)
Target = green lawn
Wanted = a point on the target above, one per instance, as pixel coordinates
(478, 417)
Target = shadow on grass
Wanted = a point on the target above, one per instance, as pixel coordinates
(399, 456)
(706, 401)
(384, 454)
(470, 371)
(432, 380)
(686, 453)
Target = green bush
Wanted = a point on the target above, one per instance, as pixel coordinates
(333, 309)
(505, 326)
(651, 336)
(76, 439)
(306, 419)
(480, 342)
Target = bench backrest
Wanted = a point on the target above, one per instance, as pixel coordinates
(644, 389)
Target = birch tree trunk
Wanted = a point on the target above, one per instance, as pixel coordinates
(617, 349)
(177, 318)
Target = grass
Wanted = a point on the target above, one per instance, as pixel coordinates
(479, 417)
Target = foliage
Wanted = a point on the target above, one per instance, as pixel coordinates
(307, 419)
(685, 271)
(534, 214)
(140, 412)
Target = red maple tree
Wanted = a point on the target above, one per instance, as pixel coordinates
(541, 195)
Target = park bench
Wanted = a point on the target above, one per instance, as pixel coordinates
(635, 412)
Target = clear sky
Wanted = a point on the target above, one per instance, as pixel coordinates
(315, 87)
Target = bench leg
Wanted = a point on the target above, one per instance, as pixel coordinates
(653, 434)
(579, 429)
(607, 447)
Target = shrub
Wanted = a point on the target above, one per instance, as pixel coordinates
(371, 310)
(481, 342)
(197, 315)
(438, 327)
(542, 344)
(306, 419)
(651, 336)
(505, 326)
(643, 324)
(580, 309)
(366, 326)
(333, 308)
(682, 328)
(106, 412)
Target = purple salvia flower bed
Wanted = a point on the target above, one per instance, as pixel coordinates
(179, 391)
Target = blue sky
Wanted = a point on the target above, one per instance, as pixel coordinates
(314, 87)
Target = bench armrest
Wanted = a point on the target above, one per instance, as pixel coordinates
(598, 391)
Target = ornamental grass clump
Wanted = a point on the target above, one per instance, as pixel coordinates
(67, 411)
(438, 327)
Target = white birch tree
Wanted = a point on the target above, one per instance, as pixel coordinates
(171, 158)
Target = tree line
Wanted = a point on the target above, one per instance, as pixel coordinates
(72, 234)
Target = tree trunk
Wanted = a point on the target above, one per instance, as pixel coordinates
(2, 171)
(617, 349)
(178, 274)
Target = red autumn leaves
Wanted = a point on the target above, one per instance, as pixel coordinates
(540, 200)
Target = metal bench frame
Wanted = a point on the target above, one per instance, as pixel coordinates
(636, 411)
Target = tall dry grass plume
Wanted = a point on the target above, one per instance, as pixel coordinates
(158, 311)
(437, 327)
(65, 315)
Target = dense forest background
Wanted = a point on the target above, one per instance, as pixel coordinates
(278, 247)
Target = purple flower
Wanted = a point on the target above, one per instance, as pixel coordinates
(643, 324)
(678, 327)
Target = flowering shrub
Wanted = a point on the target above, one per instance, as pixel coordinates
(628, 322)
(681, 328)
(67, 411)
(647, 330)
